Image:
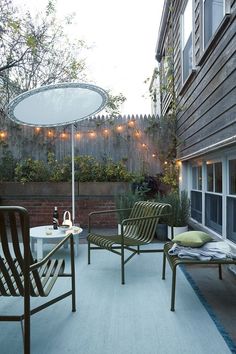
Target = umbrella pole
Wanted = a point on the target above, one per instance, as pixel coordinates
(73, 173)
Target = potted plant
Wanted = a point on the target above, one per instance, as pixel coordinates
(180, 204)
(126, 201)
(180, 212)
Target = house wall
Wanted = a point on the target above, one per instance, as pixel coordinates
(206, 120)
(207, 101)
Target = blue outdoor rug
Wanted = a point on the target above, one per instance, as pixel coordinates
(134, 318)
(231, 344)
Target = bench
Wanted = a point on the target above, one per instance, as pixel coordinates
(174, 261)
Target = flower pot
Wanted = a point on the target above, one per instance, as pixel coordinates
(161, 232)
(177, 230)
(119, 229)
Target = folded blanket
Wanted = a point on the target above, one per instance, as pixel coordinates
(207, 252)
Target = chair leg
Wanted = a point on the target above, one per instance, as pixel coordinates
(89, 252)
(27, 323)
(164, 266)
(220, 271)
(173, 289)
(122, 265)
(138, 249)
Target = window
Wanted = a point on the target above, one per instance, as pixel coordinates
(197, 177)
(231, 202)
(196, 205)
(232, 177)
(213, 192)
(213, 202)
(187, 41)
(231, 219)
(196, 194)
(166, 70)
(213, 214)
(214, 177)
(213, 13)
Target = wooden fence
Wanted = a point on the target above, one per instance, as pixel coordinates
(127, 138)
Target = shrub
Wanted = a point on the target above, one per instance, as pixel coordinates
(7, 167)
(87, 169)
(180, 207)
(31, 171)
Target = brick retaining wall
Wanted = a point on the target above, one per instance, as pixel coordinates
(39, 198)
(41, 209)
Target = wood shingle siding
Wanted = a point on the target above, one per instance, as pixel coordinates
(208, 106)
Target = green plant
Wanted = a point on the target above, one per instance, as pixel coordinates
(170, 175)
(126, 201)
(31, 171)
(7, 167)
(87, 169)
(180, 207)
(60, 171)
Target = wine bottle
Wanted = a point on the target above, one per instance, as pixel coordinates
(55, 218)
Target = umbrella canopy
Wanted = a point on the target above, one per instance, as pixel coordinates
(58, 104)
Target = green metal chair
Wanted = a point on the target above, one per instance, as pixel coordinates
(136, 231)
(21, 275)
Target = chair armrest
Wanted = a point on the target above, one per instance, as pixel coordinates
(54, 250)
(106, 211)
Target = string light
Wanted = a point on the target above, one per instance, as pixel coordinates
(92, 134)
(165, 163)
(106, 131)
(63, 135)
(50, 134)
(119, 128)
(179, 163)
(137, 134)
(131, 123)
(3, 135)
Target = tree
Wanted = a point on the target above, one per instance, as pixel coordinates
(35, 51)
(114, 104)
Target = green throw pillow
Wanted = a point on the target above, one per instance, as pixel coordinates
(192, 239)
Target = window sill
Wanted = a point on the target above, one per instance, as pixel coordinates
(211, 45)
(187, 82)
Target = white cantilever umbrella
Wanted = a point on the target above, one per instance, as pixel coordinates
(58, 105)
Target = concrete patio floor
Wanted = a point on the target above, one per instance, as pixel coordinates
(131, 319)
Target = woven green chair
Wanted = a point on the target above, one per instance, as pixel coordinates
(136, 231)
(21, 275)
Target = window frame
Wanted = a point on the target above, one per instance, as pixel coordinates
(228, 180)
(225, 230)
(213, 163)
(211, 43)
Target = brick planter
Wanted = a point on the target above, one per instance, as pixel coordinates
(39, 198)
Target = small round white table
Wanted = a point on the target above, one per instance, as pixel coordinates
(47, 233)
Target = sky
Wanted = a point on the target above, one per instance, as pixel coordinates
(123, 36)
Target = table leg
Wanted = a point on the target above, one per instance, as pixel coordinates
(39, 248)
(32, 245)
(76, 239)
